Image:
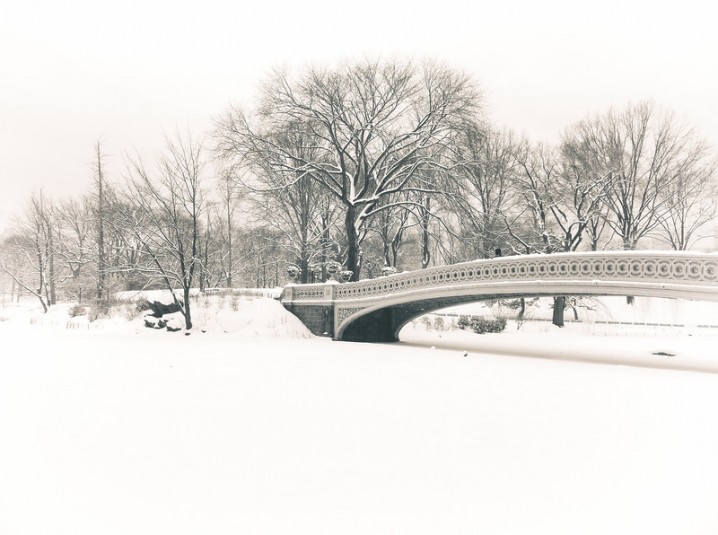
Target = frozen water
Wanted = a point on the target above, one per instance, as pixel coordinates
(112, 428)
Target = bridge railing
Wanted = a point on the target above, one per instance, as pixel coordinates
(685, 268)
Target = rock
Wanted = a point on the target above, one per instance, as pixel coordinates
(151, 322)
(160, 309)
(174, 323)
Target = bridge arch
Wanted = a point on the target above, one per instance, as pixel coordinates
(383, 322)
(377, 309)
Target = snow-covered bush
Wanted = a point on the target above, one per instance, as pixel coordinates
(481, 325)
(116, 307)
(77, 310)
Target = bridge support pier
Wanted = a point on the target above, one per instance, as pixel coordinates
(318, 319)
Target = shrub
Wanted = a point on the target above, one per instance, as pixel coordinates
(116, 307)
(77, 310)
(481, 325)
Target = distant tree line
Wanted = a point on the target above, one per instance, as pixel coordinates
(377, 165)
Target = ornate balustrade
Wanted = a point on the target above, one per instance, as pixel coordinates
(668, 273)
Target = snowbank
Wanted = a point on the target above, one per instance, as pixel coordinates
(218, 314)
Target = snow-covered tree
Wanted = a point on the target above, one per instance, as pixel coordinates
(690, 199)
(76, 244)
(29, 254)
(558, 202)
(650, 157)
(372, 127)
(291, 201)
(485, 169)
(163, 214)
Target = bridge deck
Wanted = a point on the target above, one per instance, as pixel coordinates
(395, 299)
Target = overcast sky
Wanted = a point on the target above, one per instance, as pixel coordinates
(76, 71)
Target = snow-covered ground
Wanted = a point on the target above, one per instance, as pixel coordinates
(256, 427)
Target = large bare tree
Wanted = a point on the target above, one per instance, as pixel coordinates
(647, 153)
(372, 126)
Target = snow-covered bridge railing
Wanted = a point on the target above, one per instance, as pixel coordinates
(376, 309)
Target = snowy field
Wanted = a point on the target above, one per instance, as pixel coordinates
(254, 426)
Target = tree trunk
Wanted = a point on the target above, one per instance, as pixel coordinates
(229, 245)
(352, 243)
(326, 243)
(304, 266)
(42, 302)
(387, 256)
(203, 278)
(559, 304)
(187, 311)
(101, 261)
(395, 245)
(629, 246)
(51, 267)
(425, 237)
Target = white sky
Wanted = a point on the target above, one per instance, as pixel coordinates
(75, 71)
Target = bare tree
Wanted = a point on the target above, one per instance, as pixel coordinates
(263, 256)
(75, 242)
(424, 216)
(560, 200)
(31, 251)
(124, 252)
(689, 199)
(228, 188)
(434, 210)
(579, 198)
(485, 169)
(100, 222)
(646, 151)
(163, 213)
(373, 126)
(291, 201)
(390, 226)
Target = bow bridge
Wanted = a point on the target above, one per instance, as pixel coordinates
(375, 310)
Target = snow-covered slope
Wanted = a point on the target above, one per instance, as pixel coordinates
(227, 314)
